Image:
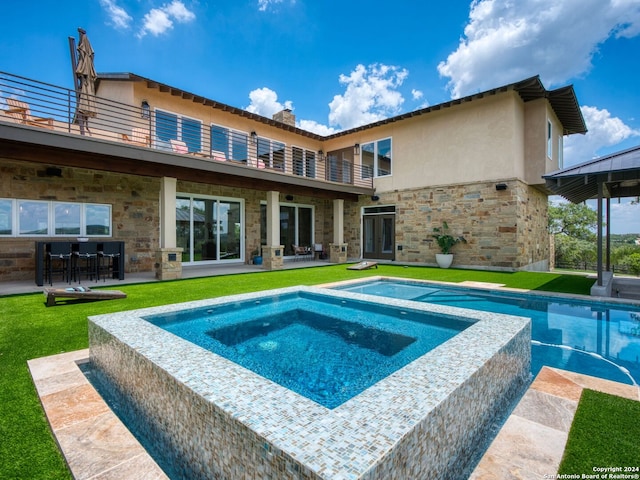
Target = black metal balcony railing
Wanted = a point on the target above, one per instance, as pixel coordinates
(29, 102)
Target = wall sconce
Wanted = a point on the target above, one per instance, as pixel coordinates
(501, 186)
(356, 149)
(289, 198)
(375, 198)
(145, 109)
(320, 155)
(254, 137)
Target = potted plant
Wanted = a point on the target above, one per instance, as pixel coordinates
(446, 243)
(257, 258)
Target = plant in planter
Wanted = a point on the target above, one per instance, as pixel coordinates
(446, 242)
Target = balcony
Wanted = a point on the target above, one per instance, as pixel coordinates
(49, 117)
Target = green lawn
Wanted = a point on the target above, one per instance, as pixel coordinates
(604, 433)
(29, 330)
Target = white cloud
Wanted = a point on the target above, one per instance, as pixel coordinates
(264, 101)
(416, 94)
(263, 5)
(371, 94)
(159, 20)
(604, 131)
(509, 40)
(315, 127)
(117, 15)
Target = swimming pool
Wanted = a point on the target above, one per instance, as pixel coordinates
(327, 349)
(209, 417)
(589, 337)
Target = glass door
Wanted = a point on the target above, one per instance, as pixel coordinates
(378, 236)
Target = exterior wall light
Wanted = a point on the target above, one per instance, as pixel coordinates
(356, 149)
(145, 109)
(254, 137)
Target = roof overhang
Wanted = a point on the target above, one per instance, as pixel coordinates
(619, 174)
(563, 101)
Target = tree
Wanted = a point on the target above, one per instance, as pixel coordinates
(574, 220)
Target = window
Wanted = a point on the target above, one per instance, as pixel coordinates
(6, 216)
(340, 165)
(270, 153)
(170, 126)
(296, 226)
(560, 151)
(53, 219)
(229, 144)
(33, 217)
(303, 162)
(66, 218)
(376, 158)
(549, 139)
(209, 229)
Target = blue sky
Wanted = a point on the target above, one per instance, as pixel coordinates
(339, 64)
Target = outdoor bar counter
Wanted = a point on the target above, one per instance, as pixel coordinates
(43, 247)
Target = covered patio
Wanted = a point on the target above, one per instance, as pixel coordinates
(613, 176)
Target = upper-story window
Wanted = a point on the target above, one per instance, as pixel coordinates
(560, 151)
(170, 126)
(376, 158)
(303, 162)
(549, 139)
(270, 153)
(227, 144)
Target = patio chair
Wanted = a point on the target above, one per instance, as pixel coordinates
(218, 155)
(179, 146)
(139, 137)
(20, 112)
(303, 253)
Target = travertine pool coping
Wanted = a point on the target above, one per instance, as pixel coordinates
(96, 445)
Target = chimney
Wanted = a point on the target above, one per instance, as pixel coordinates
(285, 116)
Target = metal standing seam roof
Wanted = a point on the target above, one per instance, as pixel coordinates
(563, 101)
(618, 172)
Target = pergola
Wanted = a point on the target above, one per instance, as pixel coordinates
(612, 176)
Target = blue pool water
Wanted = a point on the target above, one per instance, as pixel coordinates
(593, 338)
(328, 350)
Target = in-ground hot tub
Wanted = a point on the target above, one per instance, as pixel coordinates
(213, 418)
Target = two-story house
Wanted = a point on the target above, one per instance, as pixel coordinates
(176, 175)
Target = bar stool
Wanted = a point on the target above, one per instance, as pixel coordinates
(85, 261)
(59, 261)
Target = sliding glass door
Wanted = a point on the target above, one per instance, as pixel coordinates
(209, 229)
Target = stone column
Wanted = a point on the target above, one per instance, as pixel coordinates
(338, 249)
(168, 256)
(169, 263)
(273, 252)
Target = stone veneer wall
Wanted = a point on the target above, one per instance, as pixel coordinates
(135, 211)
(505, 230)
(134, 201)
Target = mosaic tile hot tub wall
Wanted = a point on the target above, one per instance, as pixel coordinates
(215, 419)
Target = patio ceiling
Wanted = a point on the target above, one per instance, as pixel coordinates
(619, 173)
